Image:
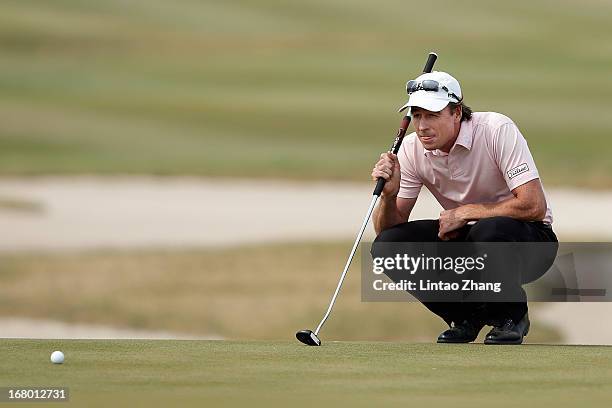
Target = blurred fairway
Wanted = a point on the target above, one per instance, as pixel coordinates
(258, 292)
(283, 374)
(289, 89)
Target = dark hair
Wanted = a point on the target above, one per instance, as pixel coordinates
(466, 111)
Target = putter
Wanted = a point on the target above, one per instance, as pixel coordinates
(312, 338)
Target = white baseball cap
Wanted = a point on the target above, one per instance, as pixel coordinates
(435, 95)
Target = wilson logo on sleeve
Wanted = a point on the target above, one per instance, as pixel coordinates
(520, 169)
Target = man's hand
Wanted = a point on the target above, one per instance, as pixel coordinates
(450, 222)
(388, 168)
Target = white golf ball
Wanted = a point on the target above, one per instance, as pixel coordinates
(57, 357)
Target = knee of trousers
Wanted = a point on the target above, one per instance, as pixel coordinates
(413, 231)
(379, 249)
(494, 229)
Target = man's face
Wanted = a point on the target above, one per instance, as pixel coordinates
(437, 130)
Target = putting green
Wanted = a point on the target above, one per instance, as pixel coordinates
(221, 373)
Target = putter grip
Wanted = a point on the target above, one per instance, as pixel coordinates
(431, 60)
(401, 132)
(380, 182)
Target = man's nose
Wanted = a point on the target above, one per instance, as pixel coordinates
(422, 125)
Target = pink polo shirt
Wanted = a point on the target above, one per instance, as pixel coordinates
(489, 159)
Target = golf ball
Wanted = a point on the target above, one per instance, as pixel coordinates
(57, 357)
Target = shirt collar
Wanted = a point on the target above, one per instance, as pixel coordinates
(464, 139)
(466, 135)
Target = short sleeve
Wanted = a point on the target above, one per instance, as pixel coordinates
(410, 183)
(513, 156)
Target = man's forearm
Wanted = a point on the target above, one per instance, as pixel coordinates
(512, 208)
(528, 204)
(386, 214)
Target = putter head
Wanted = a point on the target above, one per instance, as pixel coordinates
(308, 337)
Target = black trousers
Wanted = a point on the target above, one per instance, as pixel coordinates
(494, 229)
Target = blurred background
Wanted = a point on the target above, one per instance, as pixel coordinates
(198, 169)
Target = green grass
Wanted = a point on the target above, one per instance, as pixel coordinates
(220, 373)
(289, 89)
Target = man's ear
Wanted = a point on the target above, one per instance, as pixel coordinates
(457, 114)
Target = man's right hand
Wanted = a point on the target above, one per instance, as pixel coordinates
(388, 168)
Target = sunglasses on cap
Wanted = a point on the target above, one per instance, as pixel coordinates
(428, 85)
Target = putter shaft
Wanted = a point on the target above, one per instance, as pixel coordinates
(431, 59)
(348, 263)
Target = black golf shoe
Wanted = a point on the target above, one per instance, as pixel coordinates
(464, 332)
(508, 332)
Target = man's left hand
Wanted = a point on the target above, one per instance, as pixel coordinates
(450, 222)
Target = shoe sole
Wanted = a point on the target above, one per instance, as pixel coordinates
(454, 341)
(501, 343)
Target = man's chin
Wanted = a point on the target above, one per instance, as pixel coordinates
(429, 144)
